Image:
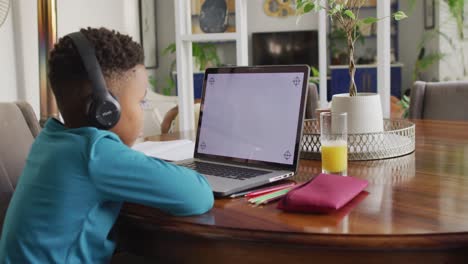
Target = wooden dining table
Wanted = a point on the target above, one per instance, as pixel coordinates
(415, 210)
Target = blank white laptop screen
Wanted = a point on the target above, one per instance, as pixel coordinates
(251, 116)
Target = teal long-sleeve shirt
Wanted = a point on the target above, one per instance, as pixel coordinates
(71, 191)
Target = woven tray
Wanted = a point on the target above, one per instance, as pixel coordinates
(398, 139)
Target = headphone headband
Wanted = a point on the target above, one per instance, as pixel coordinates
(103, 110)
(90, 62)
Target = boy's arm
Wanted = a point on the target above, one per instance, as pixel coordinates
(123, 174)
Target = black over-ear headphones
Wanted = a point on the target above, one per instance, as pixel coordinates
(102, 109)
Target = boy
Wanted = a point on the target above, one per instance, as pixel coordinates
(77, 176)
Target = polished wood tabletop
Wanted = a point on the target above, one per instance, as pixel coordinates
(415, 208)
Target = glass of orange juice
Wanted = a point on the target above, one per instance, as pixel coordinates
(334, 141)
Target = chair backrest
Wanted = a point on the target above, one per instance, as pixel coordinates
(18, 128)
(439, 100)
(312, 101)
(171, 120)
(153, 116)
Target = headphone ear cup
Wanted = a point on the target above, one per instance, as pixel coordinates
(103, 113)
(91, 110)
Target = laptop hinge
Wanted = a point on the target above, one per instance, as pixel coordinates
(243, 164)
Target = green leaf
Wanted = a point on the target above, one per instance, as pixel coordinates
(153, 82)
(428, 60)
(457, 9)
(349, 14)
(339, 7)
(405, 98)
(369, 20)
(300, 4)
(399, 15)
(314, 80)
(170, 86)
(404, 104)
(315, 72)
(170, 49)
(196, 50)
(406, 113)
(309, 7)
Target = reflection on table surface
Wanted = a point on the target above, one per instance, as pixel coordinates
(415, 210)
(425, 192)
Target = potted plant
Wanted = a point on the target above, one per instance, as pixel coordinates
(364, 109)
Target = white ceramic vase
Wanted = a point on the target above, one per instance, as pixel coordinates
(364, 112)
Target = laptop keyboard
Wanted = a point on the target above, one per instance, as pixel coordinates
(223, 170)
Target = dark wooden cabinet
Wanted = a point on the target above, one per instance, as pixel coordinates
(365, 78)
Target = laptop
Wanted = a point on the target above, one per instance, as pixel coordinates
(250, 126)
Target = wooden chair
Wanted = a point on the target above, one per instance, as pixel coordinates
(170, 122)
(159, 105)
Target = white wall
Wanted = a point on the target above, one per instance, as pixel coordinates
(411, 33)
(19, 70)
(8, 90)
(454, 65)
(165, 27)
(121, 15)
(27, 54)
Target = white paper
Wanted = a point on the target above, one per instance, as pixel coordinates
(173, 150)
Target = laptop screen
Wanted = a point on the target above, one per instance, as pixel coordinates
(252, 115)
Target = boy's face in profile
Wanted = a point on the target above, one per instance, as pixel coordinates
(131, 94)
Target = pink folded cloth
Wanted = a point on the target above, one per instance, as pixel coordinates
(325, 193)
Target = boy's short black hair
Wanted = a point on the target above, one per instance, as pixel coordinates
(115, 52)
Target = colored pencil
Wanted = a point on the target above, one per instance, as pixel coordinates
(271, 199)
(260, 199)
(269, 189)
(235, 195)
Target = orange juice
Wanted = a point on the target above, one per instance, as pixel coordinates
(334, 156)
